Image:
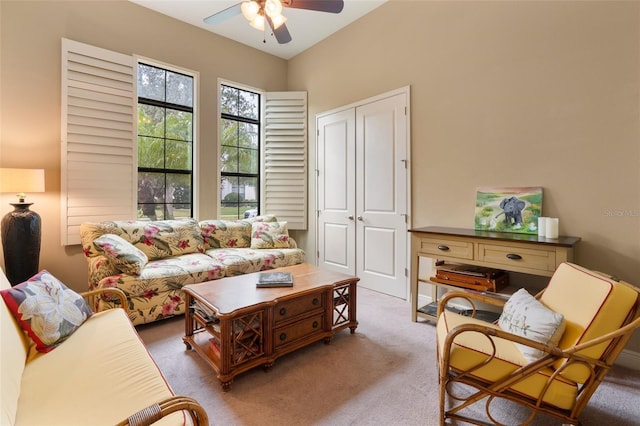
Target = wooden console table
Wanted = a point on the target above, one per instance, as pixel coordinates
(514, 252)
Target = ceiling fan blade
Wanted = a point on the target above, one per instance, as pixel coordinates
(331, 6)
(223, 15)
(281, 33)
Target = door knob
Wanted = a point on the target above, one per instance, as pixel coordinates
(350, 217)
(360, 218)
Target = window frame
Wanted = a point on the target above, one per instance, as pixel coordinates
(195, 127)
(260, 122)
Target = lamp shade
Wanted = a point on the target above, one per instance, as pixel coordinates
(21, 180)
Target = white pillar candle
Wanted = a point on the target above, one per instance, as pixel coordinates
(552, 224)
(542, 226)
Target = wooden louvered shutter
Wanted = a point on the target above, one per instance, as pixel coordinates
(99, 161)
(284, 177)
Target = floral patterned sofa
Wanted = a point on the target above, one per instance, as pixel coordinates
(151, 260)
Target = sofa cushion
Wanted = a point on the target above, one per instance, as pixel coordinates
(525, 316)
(125, 256)
(101, 375)
(15, 346)
(237, 261)
(226, 233)
(269, 235)
(592, 305)
(156, 239)
(46, 309)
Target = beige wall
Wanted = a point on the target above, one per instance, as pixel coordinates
(502, 94)
(30, 93)
(505, 94)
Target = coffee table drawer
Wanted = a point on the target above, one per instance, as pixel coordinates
(297, 306)
(291, 333)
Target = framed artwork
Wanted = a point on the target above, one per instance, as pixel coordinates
(508, 209)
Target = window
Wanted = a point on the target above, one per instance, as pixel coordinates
(165, 143)
(239, 152)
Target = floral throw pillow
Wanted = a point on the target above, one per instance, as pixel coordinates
(525, 316)
(122, 254)
(46, 309)
(269, 235)
(226, 233)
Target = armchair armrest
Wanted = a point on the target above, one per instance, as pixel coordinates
(155, 412)
(89, 295)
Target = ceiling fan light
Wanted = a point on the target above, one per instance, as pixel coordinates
(273, 8)
(249, 10)
(278, 20)
(257, 22)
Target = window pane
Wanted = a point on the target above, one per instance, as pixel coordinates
(248, 135)
(247, 160)
(177, 186)
(229, 198)
(151, 82)
(179, 155)
(150, 120)
(249, 186)
(150, 191)
(150, 152)
(179, 125)
(179, 89)
(228, 159)
(229, 132)
(228, 100)
(248, 105)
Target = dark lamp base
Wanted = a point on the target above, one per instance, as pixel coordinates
(21, 243)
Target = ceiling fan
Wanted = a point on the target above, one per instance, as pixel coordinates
(259, 11)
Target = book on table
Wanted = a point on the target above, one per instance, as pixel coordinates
(275, 279)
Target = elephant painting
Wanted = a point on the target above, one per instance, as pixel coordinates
(512, 209)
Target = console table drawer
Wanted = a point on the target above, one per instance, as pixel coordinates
(300, 305)
(298, 330)
(446, 247)
(532, 259)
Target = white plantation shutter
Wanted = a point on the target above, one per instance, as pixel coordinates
(99, 163)
(284, 176)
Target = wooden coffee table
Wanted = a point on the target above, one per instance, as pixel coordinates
(235, 326)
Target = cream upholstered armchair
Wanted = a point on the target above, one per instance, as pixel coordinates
(548, 353)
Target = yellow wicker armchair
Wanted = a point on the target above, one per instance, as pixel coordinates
(481, 362)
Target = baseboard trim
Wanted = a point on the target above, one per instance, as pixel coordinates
(627, 359)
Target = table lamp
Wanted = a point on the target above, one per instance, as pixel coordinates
(21, 227)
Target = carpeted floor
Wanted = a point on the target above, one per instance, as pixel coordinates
(384, 374)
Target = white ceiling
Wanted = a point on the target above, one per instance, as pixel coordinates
(306, 27)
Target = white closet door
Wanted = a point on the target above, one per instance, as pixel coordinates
(336, 191)
(381, 195)
(362, 192)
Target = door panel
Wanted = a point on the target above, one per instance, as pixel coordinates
(381, 203)
(377, 261)
(336, 192)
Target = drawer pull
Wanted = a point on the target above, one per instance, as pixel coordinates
(283, 311)
(283, 337)
(514, 256)
(443, 247)
(315, 324)
(315, 301)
